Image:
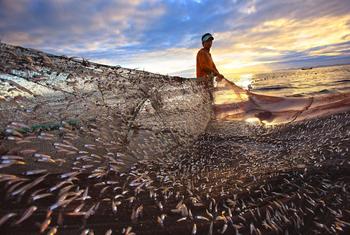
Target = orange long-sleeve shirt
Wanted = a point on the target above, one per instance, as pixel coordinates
(205, 64)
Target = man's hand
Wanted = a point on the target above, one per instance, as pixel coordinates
(219, 77)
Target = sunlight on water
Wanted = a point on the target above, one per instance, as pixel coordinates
(252, 120)
(303, 82)
(245, 80)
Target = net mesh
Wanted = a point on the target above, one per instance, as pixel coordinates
(128, 111)
(234, 103)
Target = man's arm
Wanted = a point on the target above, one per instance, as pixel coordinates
(219, 76)
(205, 63)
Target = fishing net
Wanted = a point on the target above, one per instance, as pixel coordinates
(95, 149)
(129, 112)
(235, 103)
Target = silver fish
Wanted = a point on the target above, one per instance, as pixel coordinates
(6, 218)
(35, 172)
(40, 196)
(26, 214)
(194, 229)
(30, 185)
(11, 157)
(109, 232)
(201, 218)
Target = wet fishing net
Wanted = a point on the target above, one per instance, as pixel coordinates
(43, 92)
(235, 103)
(94, 149)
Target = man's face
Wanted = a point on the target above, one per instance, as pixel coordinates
(207, 44)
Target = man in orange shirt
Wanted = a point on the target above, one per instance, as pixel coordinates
(206, 69)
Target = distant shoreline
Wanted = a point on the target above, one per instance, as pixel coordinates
(299, 68)
(310, 67)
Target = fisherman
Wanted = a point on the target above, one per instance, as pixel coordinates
(206, 69)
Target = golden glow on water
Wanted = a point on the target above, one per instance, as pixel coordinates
(227, 95)
(244, 80)
(252, 120)
(257, 121)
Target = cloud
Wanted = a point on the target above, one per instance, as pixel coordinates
(164, 36)
(77, 25)
(248, 8)
(177, 59)
(282, 40)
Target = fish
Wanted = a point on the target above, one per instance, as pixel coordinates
(59, 185)
(85, 232)
(136, 213)
(18, 183)
(109, 232)
(61, 203)
(14, 138)
(114, 207)
(13, 132)
(90, 146)
(26, 214)
(41, 155)
(35, 172)
(4, 165)
(69, 174)
(67, 145)
(181, 219)
(160, 206)
(128, 231)
(85, 194)
(29, 185)
(53, 230)
(78, 208)
(194, 229)
(18, 125)
(11, 157)
(224, 228)
(6, 217)
(202, 218)
(45, 225)
(210, 232)
(65, 189)
(28, 151)
(160, 219)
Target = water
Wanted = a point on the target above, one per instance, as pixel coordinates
(303, 83)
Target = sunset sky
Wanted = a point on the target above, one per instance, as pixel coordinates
(251, 36)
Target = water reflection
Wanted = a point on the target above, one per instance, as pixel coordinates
(303, 82)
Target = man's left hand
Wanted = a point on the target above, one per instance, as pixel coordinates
(219, 77)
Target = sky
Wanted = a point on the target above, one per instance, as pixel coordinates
(251, 36)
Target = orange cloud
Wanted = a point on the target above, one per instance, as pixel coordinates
(267, 42)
